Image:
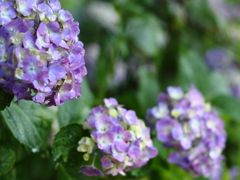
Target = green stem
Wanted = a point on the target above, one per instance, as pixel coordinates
(94, 158)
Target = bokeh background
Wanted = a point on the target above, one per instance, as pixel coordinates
(136, 49)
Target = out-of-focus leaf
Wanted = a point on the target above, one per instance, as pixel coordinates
(71, 173)
(159, 172)
(201, 178)
(217, 85)
(162, 151)
(5, 99)
(148, 89)
(103, 13)
(63, 174)
(5, 178)
(7, 160)
(228, 106)
(147, 33)
(225, 174)
(22, 124)
(75, 111)
(104, 70)
(66, 142)
(201, 12)
(192, 70)
(73, 7)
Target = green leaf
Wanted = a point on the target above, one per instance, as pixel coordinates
(71, 173)
(73, 7)
(218, 85)
(66, 142)
(202, 13)
(148, 89)
(192, 70)
(5, 99)
(104, 69)
(66, 157)
(42, 117)
(5, 178)
(163, 152)
(62, 173)
(201, 178)
(147, 33)
(7, 160)
(77, 110)
(29, 123)
(226, 173)
(228, 106)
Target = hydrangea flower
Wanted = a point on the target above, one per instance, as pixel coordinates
(234, 173)
(186, 123)
(91, 171)
(218, 59)
(41, 58)
(118, 138)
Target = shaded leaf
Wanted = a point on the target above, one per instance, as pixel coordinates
(201, 12)
(63, 174)
(71, 173)
(66, 142)
(5, 178)
(5, 99)
(7, 160)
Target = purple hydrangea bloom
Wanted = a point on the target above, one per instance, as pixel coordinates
(234, 173)
(26, 7)
(91, 171)
(187, 124)
(7, 12)
(218, 59)
(123, 140)
(41, 58)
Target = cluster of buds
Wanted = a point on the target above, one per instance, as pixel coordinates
(41, 58)
(187, 124)
(118, 137)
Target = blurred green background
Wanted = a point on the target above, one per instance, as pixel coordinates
(134, 50)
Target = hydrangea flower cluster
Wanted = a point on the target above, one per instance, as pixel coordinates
(218, 59)
(118, 137)
(189, 125)
(41, 58)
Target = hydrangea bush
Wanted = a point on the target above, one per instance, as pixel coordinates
(119, 137)
(151, 46)
(186, 123)
(41, 58)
